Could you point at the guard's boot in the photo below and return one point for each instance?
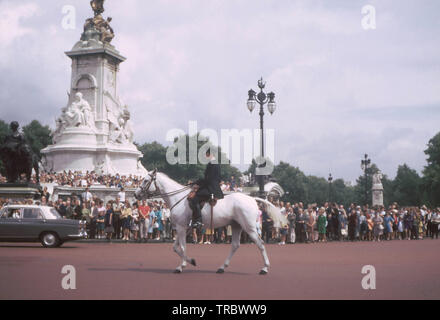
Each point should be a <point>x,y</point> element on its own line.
<point>197,216</point>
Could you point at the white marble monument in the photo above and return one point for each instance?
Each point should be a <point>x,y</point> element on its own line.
<point>94,132</point>
<point>377,189</point>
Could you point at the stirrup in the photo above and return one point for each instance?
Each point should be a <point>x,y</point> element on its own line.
<point>197,224</point>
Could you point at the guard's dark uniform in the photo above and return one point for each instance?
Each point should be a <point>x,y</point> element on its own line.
<point>209,186</point>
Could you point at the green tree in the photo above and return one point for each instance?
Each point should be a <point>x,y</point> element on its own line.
<point>342,193</point>
<point>4,131</point>
<point>38,136</point>
<point>229,171</point>
<point>388,191</point>
<point>431,173</point>
<point>407,187</point>
<point>292,180</point>
<point>317,190</point>
<point>309,189</point>
<point>154,157</point>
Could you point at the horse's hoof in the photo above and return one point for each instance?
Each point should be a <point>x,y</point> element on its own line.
<point>263,272</point>
<point>193,262</point>
<point>177,271</point>
<point>220,271</point>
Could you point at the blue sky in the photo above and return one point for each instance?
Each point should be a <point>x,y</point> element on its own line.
<point>341,91</point>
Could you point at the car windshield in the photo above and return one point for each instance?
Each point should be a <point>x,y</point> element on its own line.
<point>52,214</point>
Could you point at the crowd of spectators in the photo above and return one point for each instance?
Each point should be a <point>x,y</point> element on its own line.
<point>142,221</point>
<point>87,179</point>
<point>81,180</point>
<point>139,221</point>
<point>232,185</point>
<point>333,222</point>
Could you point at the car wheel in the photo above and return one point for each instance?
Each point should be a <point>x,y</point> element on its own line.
<point>50,240</point>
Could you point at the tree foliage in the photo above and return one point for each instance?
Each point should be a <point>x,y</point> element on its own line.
<point>407,187</point>
<point>431,179</point>
<point>4,131</point>
<point>155,157</point>
<point>38,136</point>
<point>364,184</point>
<point>293,181</point>
<point>311,189</point>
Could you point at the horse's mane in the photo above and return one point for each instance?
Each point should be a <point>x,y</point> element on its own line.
<point>171,181</point>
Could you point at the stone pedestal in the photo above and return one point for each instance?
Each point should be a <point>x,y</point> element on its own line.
<point>19,192</point>
<point>377,195</point>
<point>103,144</point>
<point>377,190</point>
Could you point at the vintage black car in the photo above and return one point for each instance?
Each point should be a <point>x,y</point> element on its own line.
<point>19,223</point>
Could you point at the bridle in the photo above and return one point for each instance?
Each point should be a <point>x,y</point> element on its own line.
<point>147,187</point>
<point>150,195</point>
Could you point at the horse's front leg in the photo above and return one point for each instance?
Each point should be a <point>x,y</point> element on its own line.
<point>177,250</point>
<point>180,249</point>
<point>182,242</point>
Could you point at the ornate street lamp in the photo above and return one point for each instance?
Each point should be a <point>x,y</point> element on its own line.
<point>261,98</point>
<point>330,180</point>
<point>365,164</point>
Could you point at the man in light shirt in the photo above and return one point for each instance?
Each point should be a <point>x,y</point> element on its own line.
<point>166,216</point>
<point>86,196</point>
<point>118,206</point>
<point>121,195</point>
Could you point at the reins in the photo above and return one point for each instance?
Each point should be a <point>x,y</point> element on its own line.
<point>166,194</point>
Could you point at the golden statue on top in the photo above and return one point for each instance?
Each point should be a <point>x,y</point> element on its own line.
<point>97,27</point>
<point>97,6</point>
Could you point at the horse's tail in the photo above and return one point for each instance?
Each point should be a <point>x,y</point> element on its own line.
<point>279,220</point>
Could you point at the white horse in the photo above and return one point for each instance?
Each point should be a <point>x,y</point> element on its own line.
<point>238,210</point>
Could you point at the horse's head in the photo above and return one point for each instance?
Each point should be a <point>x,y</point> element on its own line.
<point>148,186</point>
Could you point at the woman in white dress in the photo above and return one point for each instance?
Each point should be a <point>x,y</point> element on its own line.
<point>378,227</point>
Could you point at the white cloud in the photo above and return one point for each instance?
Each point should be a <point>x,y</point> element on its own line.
<point>11,17</point>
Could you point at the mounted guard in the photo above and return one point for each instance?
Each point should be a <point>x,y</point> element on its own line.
<point>206,189</point>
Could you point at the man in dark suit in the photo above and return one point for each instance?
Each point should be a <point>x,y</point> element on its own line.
<point>208,188</point>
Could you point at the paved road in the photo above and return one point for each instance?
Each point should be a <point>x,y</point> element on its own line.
<point>404,269</point>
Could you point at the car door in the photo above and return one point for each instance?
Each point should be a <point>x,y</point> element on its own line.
<point>32,223</point>
<point>10,223</point>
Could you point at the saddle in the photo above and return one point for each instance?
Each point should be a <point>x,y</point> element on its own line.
<point>192,194</point>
